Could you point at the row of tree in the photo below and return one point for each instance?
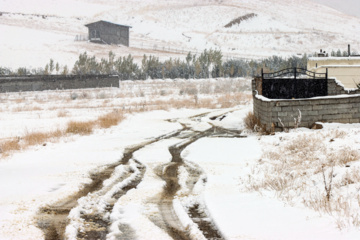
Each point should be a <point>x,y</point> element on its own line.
<point>338,53</point>
<point>208,64</point>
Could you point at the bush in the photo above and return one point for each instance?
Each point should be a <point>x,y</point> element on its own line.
<point>250,121</point>
<point>82,128</point>
<point>35,138</point>
<point>74,96</point>
<point>110,119</point>
<point>9,145</point>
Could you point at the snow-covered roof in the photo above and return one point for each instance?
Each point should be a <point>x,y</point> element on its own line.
<point>107,22</point>
<point>333,58</point>
<point>339,66</point>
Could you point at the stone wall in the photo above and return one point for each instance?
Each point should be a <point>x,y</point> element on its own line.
<point>54,82</point>
<point>333,108</point>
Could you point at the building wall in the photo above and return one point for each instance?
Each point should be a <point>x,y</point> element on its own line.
<point>333,108</point>
<point>345,69</point>
<point>111,33</point>
<point>336,87</point>
<point>54,82</point>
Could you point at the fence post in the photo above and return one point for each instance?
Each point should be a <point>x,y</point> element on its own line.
<point>326,74</point>
<point>295,83</point>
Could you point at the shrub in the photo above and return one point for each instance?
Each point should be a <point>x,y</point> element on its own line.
<point>346,155</point>
<point>35,138</point>
<point>82,128</point>
<point>110,119</point>
<point>250,121</point>
<point>9,145</point>
<point>74,96</point>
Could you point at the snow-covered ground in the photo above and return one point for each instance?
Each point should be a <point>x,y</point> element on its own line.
<point>240,186</point>
<point>35,31</point>
<point>233,181</point>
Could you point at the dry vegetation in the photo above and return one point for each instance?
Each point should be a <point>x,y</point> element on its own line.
<point>82,128</point>
<point>9,146</point>
<point>109,106</point>
<point>250,121</point>
<point>253,124</point>
<point>35,138</point>
<point>110,119</point>
<point>312,169</point>
<point>240,19</point>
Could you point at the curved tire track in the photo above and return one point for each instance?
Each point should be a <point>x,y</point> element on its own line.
<point>95,201</point>
<point>53,219</point>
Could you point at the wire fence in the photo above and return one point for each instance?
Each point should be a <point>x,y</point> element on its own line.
<point>166,48</point>
<point>79,38</point>
<point>183,50</point>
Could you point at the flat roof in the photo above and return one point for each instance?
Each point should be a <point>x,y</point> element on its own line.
<point>121,25</point>
<point>334,58</point>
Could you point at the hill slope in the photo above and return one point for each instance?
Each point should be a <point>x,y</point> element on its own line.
<point>34,33</point>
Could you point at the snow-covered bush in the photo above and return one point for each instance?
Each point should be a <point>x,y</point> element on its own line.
<point>318,169</point>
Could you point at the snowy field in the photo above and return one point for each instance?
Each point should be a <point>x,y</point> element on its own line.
<point>176,173</point>
<point>170,159</point>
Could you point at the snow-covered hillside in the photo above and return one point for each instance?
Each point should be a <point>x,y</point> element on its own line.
<point>32,32</point>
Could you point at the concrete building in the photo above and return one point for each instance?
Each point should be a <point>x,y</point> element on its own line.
<point>109,33</point>
<point>344,69</point>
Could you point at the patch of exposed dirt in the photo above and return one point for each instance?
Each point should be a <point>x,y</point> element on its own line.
<point>96,223</point>
<point>204,223</point>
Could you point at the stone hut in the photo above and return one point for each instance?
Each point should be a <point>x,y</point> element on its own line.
<point>109,33</point>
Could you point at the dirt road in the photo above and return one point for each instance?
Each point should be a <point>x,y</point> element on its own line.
<point>89,214</point>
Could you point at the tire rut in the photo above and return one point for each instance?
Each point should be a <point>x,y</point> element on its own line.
<point>199,216</point>
<point>170,174</point>
<point>94,219</point>
<point>53,219</point>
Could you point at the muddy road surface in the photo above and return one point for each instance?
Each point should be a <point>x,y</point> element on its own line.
<point>89,214</point>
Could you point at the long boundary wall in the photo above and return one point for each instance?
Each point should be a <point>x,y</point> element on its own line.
<point>341,106</point>
<point>54,82</point>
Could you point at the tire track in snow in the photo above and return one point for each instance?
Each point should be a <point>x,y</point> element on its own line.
<point>91,207</point>
<point>197,214</point>
<point>198,223</point>
<point>53,219</point>
<point>95,208</point>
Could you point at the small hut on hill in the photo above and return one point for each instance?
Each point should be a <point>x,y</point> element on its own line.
<point>109,33</point>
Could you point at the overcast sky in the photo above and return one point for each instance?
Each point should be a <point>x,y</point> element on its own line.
<point>351,7</point>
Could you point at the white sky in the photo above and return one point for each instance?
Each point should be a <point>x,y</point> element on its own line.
<point>351,7</point>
